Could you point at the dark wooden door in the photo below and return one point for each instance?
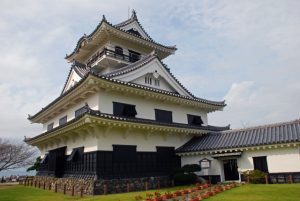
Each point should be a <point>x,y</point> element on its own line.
<point>56,161</point>
<point>230,170</point>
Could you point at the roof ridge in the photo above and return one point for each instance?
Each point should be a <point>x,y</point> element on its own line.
<point>264,126</point>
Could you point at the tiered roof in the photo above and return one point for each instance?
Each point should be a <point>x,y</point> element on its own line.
<point>193,129</point>
<point>104,24</point>
<point>85,71</point>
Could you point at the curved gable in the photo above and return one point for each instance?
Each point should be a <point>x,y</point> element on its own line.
<point>154,70</point>
<point>72,79</point>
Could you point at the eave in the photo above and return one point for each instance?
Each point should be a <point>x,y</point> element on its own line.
<point>246,148</point>
<point>106,30</point>
<point>92,83</point>
<point>96,121</point>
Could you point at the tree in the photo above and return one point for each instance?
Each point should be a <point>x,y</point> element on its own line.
<point>15,155</point>
<point>36,165</point>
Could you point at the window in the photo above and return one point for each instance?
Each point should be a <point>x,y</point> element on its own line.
<point>119,50</point>
<point>63,120</point>
<point>134,56</point>
<point>163,116</point>
<point>194,120</point>
<point>260,163</point>
<point>122,109</point>
<point>148,80</point>
<point>50,126</point>
<point>76,154</point>
<point>156,82</point>
<point>80,111</point>
<point>124,153</point>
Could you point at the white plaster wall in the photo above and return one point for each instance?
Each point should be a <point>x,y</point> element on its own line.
<point>279,160</point>
<point>145,107</point>
<point>119,137</point>
<point>93,102</point>
<point>143,141</point>
<point>103,101</point>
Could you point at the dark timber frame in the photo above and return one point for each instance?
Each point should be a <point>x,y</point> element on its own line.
<point>109,165</point>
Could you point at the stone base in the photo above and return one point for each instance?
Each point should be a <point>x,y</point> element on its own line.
<point>131,184</point>
<point>89,186</point>
<point>64,185</point>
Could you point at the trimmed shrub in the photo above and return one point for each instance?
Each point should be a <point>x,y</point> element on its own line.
<point>184,178</point>
<point>255,176</point>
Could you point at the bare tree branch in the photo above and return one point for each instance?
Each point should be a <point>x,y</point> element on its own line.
<point>14,155</point>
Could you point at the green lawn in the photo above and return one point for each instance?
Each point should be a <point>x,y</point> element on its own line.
<point>261,192</point>
<point>275,192</point>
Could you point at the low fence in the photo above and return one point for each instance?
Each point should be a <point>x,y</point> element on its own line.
<point>279,178</point>
<point>73,187</point>
<point>81,187</point>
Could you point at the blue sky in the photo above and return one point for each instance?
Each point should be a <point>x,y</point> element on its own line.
<point>246,52</point>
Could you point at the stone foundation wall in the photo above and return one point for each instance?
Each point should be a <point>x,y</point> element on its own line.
<point>129,185</point>
<point>86,185</point>
<point>66,185</point>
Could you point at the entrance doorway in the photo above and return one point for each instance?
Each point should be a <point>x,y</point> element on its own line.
<point>231,169</point>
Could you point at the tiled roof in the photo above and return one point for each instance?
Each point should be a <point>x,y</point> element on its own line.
<point>97,113</point>
<point>286,132</point>
<point>130,20</point>
<point>141,63</point>
<point>90,36</point>
<point>90,72</point>
<point>80,69</point>
<point>131,67</point>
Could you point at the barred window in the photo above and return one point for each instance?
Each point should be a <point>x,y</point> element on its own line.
<point>80,111</point>
<point>50,126</point>
<point>63,120</point>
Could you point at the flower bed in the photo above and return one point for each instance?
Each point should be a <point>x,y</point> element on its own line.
<point>196,193</point>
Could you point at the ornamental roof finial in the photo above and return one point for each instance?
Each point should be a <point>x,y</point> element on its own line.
<point>103,18</point>
<point>133,15</point>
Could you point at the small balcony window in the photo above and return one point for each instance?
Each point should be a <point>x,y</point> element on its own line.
<point>163,116</point>
<point>122,109</point>
<point>194,120</point>
<point>50,126</point>
<point>63,120</point>
<point>80,111</point>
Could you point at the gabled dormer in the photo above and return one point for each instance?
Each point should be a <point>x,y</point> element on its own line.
<point>133,26</point>
<point>151,72</point>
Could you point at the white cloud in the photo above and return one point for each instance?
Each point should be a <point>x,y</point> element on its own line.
<point>221,45</point>
<point>250,104</point>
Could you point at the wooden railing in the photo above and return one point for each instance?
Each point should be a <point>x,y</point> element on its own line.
<point>113,54</point>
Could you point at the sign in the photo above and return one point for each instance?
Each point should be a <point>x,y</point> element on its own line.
<point>205,163</point>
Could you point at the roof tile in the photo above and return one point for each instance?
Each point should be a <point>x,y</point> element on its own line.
<point>284,132</point>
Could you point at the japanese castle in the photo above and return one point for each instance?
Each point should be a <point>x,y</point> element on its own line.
<point>123,115</point>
